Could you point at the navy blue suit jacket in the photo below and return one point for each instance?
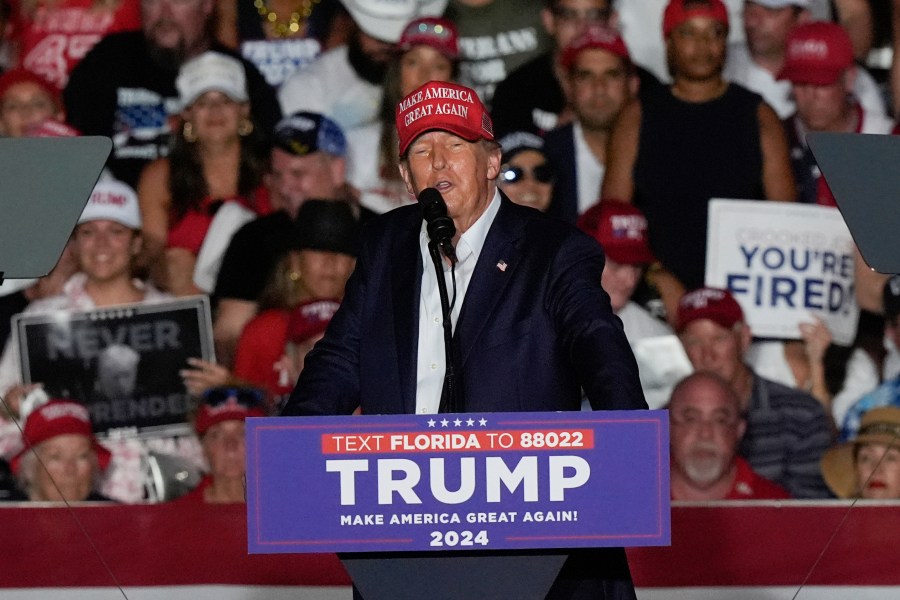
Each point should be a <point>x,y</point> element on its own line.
<point>530,336</point>
<point>559,147</point>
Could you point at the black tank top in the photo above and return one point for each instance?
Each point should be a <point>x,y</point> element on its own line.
<point>688,153</point>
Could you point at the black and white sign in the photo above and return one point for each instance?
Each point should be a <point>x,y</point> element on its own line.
<point>123,362</point>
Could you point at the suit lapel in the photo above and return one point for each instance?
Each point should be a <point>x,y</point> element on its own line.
<point>405,284</point>
<point>495,269</point>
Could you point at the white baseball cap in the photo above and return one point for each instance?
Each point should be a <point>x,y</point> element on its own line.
<point>385,19</point>
<point>112,200</point>
<point>211,71</point>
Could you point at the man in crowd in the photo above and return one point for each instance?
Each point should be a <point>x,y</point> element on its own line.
<point>819,66</point>
<point>528,295</point>
<point>702,138</point>
<point>787,429</point>
<point>707,426</point>
<point>495,38</point>
<point>601,81</point>
<point>757,64</point>
<point>345,83</point>
<point>888,393</point>
<point>307,162</point>
<point>124,88</point>
<point>532,98</point>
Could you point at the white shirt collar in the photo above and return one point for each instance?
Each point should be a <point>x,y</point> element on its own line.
<point>472,241</point>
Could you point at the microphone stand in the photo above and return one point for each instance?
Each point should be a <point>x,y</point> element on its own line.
<point>449,400</point>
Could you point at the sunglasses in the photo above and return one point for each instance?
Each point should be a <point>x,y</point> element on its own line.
<point>433,29</point>
<point>246,397</point>
<point>541,173</point>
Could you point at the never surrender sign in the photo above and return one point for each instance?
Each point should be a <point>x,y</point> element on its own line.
<point>121,362</point>
<point>458,482</point>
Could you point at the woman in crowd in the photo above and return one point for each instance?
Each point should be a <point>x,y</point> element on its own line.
<point>281,36</point>
<point>26,99</point>
<point>105,244</point>
<point>869,466</point>
<point>325,240</point>
<point>219,423</point>
<point>526,176</point>
<point>61,460</point>
<point>428,50</point>
<point>215,161</point>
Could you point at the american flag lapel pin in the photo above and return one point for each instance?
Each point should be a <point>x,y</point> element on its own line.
<point>502,265</point>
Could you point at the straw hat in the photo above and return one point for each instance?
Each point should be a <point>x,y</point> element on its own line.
<point>879,426</point>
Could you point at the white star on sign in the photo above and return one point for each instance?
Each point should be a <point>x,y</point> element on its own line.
<point>430,422</point>
<point>482,421</point>
<point>457,423</point>
<point>470,422</point>
<point>444,422</point>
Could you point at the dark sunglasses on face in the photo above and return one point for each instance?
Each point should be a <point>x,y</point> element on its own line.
<point>246,397</point>
<point>541,173</point>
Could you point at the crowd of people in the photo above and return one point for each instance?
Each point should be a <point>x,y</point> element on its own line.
<point>251,143</point>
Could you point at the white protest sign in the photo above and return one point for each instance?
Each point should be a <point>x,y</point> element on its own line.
<point>784,263</point>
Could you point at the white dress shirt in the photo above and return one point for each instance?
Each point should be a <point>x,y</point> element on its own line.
<point>431,360</point>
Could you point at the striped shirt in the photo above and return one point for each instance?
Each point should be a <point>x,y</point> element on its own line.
<point>787,433</point>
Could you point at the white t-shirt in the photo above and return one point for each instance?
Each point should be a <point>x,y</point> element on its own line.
<point>331,87</point>
<point>364,171</point>
<point>588,170</point>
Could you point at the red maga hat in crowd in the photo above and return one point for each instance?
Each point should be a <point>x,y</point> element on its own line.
<point>595,37</point>
<point>679,11</point>
<point>310,319</point>
<point>714,304</point>
<point>59,417</point>
<point>228,404</point>
<point>434,32</point>
<point>621,228</point>
<point>816,53</point>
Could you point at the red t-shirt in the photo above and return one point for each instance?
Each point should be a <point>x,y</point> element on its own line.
<point>748,485</point>
<point>53,41</point>
<point>190,230</point>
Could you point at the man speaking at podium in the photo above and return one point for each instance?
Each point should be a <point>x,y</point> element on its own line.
<point>531,325</point>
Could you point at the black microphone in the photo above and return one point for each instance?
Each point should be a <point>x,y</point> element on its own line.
<point>440,226</point>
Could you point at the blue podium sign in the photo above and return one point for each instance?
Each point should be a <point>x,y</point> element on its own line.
<point>487,481</point>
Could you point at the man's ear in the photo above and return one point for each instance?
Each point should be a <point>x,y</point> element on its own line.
<point>493,168</point>
<point>548,21</point>
<point>745,338</point>
<point>338,168</point>
<point>407,178</point>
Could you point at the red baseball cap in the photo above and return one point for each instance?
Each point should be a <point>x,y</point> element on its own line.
<point>443,106</point>
<point>435,32</point>
<point>817,53</point>
<point>714,304</point>
<point>679,11</point>
<point>310,319</point>
<point>59,417</point>
<point>621,228</point>
<point>595,37</point>
<point>21,75</point>
<point>228,404</point>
